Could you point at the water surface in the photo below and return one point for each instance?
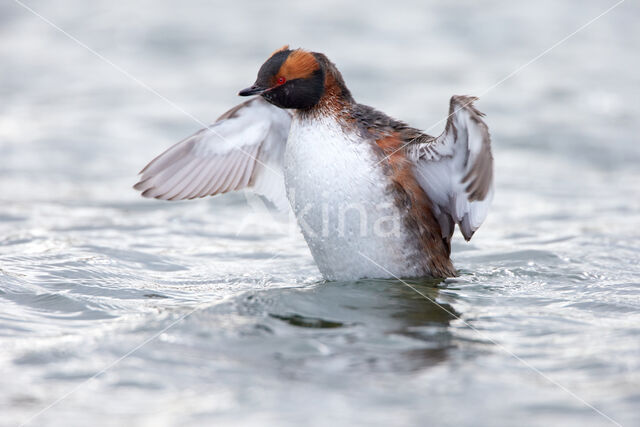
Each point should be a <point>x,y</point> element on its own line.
<point>221,312</point>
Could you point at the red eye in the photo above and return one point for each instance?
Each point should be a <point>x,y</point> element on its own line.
<point>281,80</point>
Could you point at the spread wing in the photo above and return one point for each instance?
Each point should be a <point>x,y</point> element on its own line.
<point>456,169</point>
<point>244,148</point>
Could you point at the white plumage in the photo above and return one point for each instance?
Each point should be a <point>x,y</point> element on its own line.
<point>242,150</point>
<point>245,149</point>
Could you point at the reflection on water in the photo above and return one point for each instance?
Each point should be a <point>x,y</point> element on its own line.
<point>373,316</point>
<point>306,321</point>
<point>412,302</point>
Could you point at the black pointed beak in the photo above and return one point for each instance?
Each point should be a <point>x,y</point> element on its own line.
<point>253,90</point>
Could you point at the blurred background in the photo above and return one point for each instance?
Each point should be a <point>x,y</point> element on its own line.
<point>221,312</point>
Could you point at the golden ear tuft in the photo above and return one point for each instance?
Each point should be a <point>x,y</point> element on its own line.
<point>285,47</point>
<point>299,65</point>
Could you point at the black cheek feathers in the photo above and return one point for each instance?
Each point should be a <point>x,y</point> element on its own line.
<point>299,94</point>
<point>271,68</point>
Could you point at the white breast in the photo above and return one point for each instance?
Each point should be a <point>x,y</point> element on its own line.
<point>344,203</point>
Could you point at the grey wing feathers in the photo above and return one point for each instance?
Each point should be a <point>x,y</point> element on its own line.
<point>456,169</point>
<point>479,177</point>
<point>244,148</point>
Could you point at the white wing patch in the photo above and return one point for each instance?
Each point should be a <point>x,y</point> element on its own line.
<point>243,149</point>
<point>456,169</point>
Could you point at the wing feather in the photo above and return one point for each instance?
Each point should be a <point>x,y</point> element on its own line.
<point>243,149</point>
<point>190,182</point>
<point>456,169</point>
<point>220,172</point>
<point>200,181</point>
